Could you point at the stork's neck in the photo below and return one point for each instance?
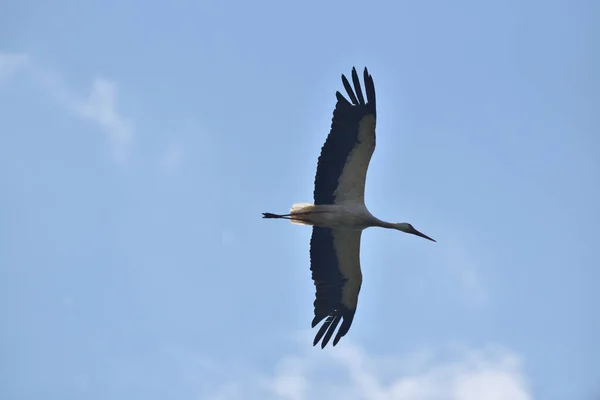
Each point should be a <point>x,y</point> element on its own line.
<point>383,224</point>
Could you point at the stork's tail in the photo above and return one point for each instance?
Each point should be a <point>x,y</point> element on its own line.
<point>298,215</point>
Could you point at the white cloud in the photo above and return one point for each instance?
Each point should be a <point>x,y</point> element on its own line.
<point>172,159</point>
<point>10,64</point>
<point>348,372</point>
<point>101,108</point>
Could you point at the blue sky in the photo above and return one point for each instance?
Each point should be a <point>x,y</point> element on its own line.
<point>139,143</point>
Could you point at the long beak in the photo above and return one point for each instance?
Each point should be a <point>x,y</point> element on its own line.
<point>416,232</point>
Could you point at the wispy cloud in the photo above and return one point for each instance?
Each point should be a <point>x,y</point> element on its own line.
<point>349,372</point>
<point>11,64</point>
<point>99,106</point>
<point>488,374</point>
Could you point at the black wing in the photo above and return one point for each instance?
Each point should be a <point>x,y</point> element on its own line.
<point>337,282</point>
<point>344,136</point>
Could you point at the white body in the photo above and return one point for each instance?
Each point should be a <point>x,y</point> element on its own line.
<point>351,216</point>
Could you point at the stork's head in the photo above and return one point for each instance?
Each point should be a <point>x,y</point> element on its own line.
<point>408,228</point>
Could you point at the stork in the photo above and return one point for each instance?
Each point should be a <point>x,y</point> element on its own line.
<point>339,215</point>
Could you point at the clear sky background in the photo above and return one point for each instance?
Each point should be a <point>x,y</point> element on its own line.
<point>140,142</point>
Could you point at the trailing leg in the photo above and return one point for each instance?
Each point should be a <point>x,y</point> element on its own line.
<point>271,215</point>
<point>300,214</point>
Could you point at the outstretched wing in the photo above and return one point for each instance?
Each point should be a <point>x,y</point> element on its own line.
<point>345,156</point>
<point>335,266</point>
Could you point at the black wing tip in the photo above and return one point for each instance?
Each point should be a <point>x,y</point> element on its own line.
<point>354,72</point>
<point>349,90</point>
<point>316,320</point>
<point>335,341</point>
<point>355,94</point>
<point>357,87</point>
<point>354,69</point>
<point>326,331</point>
<point>325,340</point>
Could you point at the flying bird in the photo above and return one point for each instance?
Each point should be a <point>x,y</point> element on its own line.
<point>339,215</point>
